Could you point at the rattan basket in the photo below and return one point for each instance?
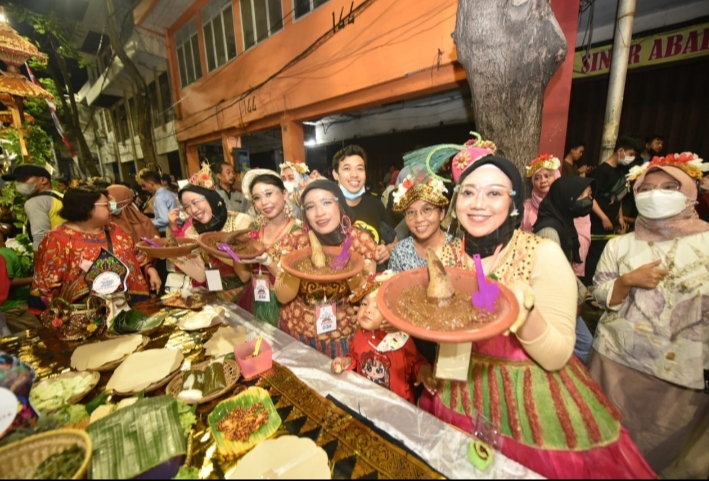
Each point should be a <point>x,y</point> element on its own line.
<point>232,371</point>
<point>20,460</point>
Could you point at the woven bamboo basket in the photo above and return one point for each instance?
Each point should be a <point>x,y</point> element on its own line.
<point>231,375</point>
<point>20,460</point>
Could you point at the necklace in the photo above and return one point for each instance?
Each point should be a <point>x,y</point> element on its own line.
<point>278,235</point>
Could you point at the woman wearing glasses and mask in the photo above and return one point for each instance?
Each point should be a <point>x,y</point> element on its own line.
<point>550,415</point>
<point>200,201</point>
<point>69,250</point>
<point>330,218</point>
<point>651,352</point>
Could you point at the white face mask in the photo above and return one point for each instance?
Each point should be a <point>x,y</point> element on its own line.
<point>290,186</point>
<point>627,160</point>
<point>657,204</point>
<point>26,189</point>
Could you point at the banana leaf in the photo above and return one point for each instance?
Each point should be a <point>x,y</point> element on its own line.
<point>132,321</point>
<point>135,439</point>
<point>246,399</point>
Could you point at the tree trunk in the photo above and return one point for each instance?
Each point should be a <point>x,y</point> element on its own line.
<point>71,111</point>
<point>142,96</point>
<point>510,50</point>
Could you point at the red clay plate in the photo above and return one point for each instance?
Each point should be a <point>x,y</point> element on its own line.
<point>203,241</point>
<point>186,246</point>
<point>356,265</point>
<point>464,281</point>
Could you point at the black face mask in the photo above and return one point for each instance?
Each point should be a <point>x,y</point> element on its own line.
<point>583,207</point>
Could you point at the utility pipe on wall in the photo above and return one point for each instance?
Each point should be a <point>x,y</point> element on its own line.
<point>616,83</point>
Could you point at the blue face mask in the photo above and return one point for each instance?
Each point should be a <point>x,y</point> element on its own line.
<point>115,210</point>
<point>349,195</point>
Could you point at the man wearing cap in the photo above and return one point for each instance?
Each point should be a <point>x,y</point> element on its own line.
<point>43,205</point>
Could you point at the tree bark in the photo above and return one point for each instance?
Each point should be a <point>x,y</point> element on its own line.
<point>510,50</point>
<point>142,95</point>
<point>71,111</point>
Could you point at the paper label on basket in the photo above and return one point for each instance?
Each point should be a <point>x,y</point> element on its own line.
<point>106,283</point>
<point>262,286</point>
<point>214,280</point>
<point>452,361</point>
<point>325,318</point>
<point>393,342</point>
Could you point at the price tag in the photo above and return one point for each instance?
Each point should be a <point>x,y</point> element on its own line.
<point>325,318</point>
<point>261,285</point>
<point>106,283</point>
<point>214,280</point>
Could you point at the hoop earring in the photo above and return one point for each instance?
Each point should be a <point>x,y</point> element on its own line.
<point>346,226</point>
<point>288,211</point>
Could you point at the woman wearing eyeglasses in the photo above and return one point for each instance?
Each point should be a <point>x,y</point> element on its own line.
<point>651,352</point>
<point>69,250</point>
<point>330,218</point>
<point>549,415</point>
<point>208,212</point>
<point>423,205</point>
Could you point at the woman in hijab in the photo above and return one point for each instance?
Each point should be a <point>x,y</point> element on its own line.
<point>208,212</point>
<point>550,415</point>
<point>544,171</point>
<point>651,352</point>
<point>568,199</point>
<point>327,214</point>
<point>126,215</point>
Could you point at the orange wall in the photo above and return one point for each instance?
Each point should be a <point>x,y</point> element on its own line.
<point>389,53</point>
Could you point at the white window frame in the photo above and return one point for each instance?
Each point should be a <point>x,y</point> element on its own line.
<point>312,9</point>
<point>195,61</point>
<point>220,16</point>
<point>253,23</point>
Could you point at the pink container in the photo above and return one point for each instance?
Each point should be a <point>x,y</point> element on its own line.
<point>250,368</point>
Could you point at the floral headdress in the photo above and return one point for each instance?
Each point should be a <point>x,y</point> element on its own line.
<point>203,178</point>
<point>544,161</point>
<point>474,149</point>
<point>409,191</point>
<point>299,167</point>
<point>373,282</point>
<point>690,163</point>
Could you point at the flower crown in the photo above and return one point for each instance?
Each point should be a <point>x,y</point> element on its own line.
<point>474,149</point>
<point>690,163</point>
<point>299,167</point>
<point>203,178</point>
<point>544,161</point>
<point>432,191</point>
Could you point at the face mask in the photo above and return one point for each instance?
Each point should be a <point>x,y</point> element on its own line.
<point>290,186</point>
<point>583,207</point>
<point>660,205</point>
<point>26,189</point>
<point>349,195</point>
<point>627,160</point>
<point>115,210</point>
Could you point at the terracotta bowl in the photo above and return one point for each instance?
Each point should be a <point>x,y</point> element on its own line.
<point>204,241</point>
<point>464,281</point>
<point>356,265</point>
<point>185,247</point>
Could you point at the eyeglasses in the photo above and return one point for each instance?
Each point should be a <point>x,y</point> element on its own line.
<point>426,212</point>
<point>667,187</point>
<point>327,202</point>
<point>489,192</point>
<point>193,205</point>
<point>103,203</point>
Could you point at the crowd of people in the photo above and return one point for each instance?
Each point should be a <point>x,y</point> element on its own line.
<point>630,401</point>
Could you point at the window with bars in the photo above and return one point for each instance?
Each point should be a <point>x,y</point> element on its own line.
<point>218,29</point>
<point>259,20</point>
<point>301,7</point>
<point>187,51</point>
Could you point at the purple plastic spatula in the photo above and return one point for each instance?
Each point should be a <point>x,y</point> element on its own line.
<point>488,292</point>
<point>150,242</point>
<point>224,247</point>
<point>340,261</point>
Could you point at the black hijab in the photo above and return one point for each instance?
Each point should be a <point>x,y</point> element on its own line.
<point>557,211</point>
<point>336,237</point>
<point>219,211</point>
<point>486,245</point>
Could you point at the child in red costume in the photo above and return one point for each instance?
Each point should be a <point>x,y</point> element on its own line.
<point>388,359</point>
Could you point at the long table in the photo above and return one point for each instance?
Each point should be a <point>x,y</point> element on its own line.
<point>442,446</point>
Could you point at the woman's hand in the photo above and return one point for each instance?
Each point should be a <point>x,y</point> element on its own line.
<point>525,298</point>
<point>264,259</point>
<point>173,216</point>
<point>193,266</point>
<point>607,224</point>
<point>154,280</point>
<point>647,276</point>
<point>425,377</point>
<point>340,364</point>
<point>383,254</point>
